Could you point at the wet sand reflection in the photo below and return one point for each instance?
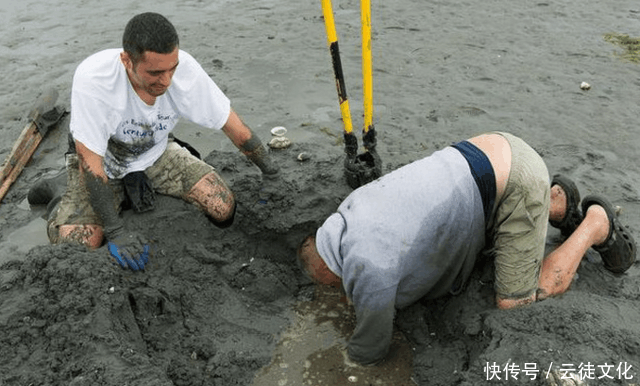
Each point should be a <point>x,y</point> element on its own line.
<point>312,350</point>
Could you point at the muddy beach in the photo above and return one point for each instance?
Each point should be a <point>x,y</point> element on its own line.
<point>229,306</point>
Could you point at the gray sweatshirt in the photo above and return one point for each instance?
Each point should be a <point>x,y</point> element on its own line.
<point>412,233</point>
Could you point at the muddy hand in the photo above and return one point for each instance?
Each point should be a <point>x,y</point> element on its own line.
<point>274,188</point>
<point>130,250</point>
<point>257,153</point>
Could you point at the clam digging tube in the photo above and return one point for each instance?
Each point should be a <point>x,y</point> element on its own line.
<point>367,76</point>
<point>332,39</point>
<point>369,133</point>
<point>367,166</point>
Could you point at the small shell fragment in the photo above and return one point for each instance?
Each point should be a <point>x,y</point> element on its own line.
<point>111,290</point>
<point>279,143</point>
<point>585,86</point>
<point>278,131</point>
<point>353,379</point>
<point>617,209</point>
<point>303,157</point>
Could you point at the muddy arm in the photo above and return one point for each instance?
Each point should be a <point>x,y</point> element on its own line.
<point>249,143</point>
<point>372,336</point>
<point>101,195</point>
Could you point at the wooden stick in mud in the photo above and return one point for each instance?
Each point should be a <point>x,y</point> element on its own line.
<point>43,116</point>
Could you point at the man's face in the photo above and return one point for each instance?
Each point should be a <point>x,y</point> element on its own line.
<point>152,74</point>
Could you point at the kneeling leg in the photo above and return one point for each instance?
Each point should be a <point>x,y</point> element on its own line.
<point>90,235</point>
<point>212,195</point>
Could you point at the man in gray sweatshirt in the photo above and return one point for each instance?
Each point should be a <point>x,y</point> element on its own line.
<point>416,232</point>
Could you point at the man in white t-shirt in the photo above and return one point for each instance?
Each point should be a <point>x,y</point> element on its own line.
<point>124,104</point>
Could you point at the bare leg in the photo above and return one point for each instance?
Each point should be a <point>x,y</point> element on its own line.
<point>560,266</point>
<point>212,195</point>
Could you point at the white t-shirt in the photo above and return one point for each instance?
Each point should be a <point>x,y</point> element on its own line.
<point>110,119</point>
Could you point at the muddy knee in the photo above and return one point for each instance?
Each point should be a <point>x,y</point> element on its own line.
<point>226,222</point>
<point>90,235</point>
<point>212,195</point>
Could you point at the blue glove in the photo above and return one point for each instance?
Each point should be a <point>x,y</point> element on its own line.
<point>123,249</point>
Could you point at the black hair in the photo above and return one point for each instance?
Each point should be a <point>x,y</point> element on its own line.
<point>149,32</point>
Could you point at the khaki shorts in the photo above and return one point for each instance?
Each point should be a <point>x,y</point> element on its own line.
<point>519,226</point>
<point>173,174</point>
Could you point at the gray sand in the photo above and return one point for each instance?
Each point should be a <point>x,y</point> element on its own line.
<point>220,307</point>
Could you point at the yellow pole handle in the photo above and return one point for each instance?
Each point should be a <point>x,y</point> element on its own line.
<point>367,68</point>
<point>332,38</point>
<point>329,23</point>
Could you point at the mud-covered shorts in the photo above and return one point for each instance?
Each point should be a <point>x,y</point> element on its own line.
<point>173,174</point>
<point>520,221</point>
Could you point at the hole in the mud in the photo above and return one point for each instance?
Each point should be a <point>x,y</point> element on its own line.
<point>160,307</point>
<point>132,303</point>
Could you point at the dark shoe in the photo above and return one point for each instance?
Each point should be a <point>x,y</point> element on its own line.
<point>48,191</point>
<point>573,217</point>
<point>618,251</point>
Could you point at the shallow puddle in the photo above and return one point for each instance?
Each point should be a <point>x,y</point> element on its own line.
<point>312,350</point>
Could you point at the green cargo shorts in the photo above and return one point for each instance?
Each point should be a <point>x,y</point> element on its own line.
<point>173,174</point>
<point>520,223</point>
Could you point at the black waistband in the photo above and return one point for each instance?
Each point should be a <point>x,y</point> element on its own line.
<point>483,174</point>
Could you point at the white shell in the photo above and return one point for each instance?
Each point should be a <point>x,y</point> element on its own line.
<point>279,143</point>
<point>303,157</point>
<point>585,86</point>
<point>279,131</point>
<point>353,379</point>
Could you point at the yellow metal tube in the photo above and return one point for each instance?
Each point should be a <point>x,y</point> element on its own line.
<point>329,23</point>
<point>367,67</point>
<point>332,38</point>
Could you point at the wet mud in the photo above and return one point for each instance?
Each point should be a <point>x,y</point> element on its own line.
<point>229,306</point>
